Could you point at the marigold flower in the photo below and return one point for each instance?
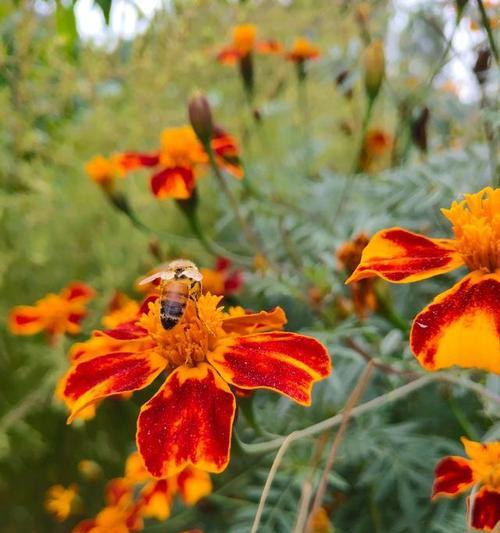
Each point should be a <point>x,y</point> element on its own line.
<point>223,280</point>
<point>462,325</point>
<point>137,495</point>
<point>61,501</point>
<point>189,421</point>
<point>55,313</point>
<point>363,294</point>
<point>302,50</point>
<point>181,158</point>
<point>244,42</point>
<point>105,171</point>
<point>454,475</point>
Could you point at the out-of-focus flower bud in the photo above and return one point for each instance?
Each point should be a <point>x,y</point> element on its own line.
<point>374,64</point>
<point>482,65</point>
<point>90,470</point>
<point>419,129</point>
<point>200,116</point>
<point>362,13</point>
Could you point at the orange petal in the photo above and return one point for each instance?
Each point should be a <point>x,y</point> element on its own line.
<point>78,292</point>
<point>284,362</point>
<point>155,500</point>
<point>461,326</point>
<point>271,46</point>
<point>194,484</point>
<point>26,320</point>
<point>110,374</point>
<point>228,56</point>
<point>453,475</point>
<point>400,256</point>
<point>176,182</point>
<point>252,322</point>
<point>188,421</point>
<point>484,509</point>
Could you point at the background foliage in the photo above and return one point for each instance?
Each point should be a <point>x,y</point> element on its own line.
<point>63,100</point>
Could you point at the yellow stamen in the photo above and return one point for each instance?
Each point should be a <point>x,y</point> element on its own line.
<point>189,341</point>
<point>476,224</point>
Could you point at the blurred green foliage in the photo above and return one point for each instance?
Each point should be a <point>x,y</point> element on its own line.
<point>62,101</point>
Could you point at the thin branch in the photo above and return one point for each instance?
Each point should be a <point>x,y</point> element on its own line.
<point>353,399</point>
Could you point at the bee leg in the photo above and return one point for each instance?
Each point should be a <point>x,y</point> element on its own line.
<point>194,294</point>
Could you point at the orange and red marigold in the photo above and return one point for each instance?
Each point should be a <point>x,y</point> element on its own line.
<point>189,420</point>
<point>55,314</point>
<point>137,495</point>
<point>454,475</point>
<point>244,42</point>
<point>462,325</point>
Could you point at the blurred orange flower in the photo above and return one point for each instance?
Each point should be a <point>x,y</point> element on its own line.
<point>363,292</point>
<point>61,501</point>
<point>454,475</point>
<point>121,309</point>
<point>376,144</point>
<point>222,280</point>
<point>244,42</point>
<point>181,158</point>
<point>302,50</point>
<point>462,325</point>
<point>137,495</point>
<point>55,313</point>
<point>104,171</point>
<point>204,354</point>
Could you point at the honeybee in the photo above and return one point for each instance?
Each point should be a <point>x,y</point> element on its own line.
<point>180,282</point>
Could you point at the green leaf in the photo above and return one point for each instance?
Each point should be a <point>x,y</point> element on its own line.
<point>66,24</point>
<point>105,6</point>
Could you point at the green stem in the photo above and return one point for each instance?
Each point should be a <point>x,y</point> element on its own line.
<point>247,229</point>
<point>486,23</point>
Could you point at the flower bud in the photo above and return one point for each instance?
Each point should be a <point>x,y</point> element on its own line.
<point>482,65</point>
<point>200,116</point>
<point>374,63</point>
<point>90,470</point>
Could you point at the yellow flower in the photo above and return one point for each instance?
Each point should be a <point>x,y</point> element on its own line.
<point>61,501</point>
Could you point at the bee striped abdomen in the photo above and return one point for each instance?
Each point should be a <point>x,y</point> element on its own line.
<point>173,304</point>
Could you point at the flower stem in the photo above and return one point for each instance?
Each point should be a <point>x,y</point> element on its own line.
<point>247,229</point>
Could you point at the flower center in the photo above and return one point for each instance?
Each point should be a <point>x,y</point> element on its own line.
<point>476,224</point>
<point>244,38</point>
<point>188,342</point>
<point>180,147</point>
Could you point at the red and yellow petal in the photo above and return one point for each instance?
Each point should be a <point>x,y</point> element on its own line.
<point>26,320</point>
<point>109,374</point>
<point>133,160</point>
<point>188,422</point>
<point>401,256</point>
<point>128,331</point>
<point>176,182</point>
<point>453,475</point>
<point>194,484</point>
<point>461,326</point>
<point>78,292</point>
<point>288,363</point>
<point>245,323</point>
<point>484,509</point>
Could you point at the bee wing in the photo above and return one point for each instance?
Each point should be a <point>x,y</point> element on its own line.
<point>165,276</point>
<point>193,273</point>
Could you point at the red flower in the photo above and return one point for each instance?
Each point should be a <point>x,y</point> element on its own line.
<point>454,475</point>
<point>189,420</point>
